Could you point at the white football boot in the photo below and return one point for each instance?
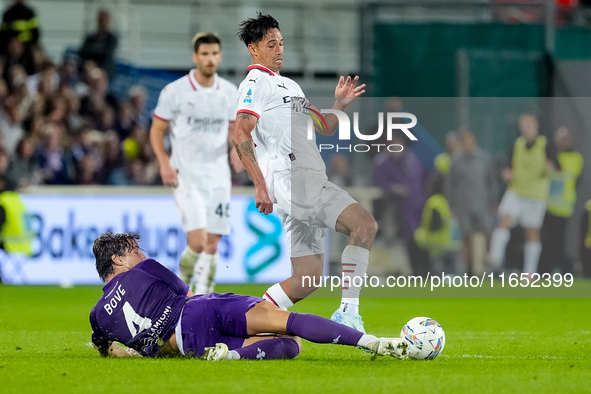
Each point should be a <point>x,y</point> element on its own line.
<point>215,353</point>
<point>393,347</point>
<point>348,319</point>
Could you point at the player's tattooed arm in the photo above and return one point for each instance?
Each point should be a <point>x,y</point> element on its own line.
<point>246,150</point>
<point>245,124</point>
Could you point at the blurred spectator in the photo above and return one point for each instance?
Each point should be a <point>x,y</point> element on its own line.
<point>23,170</point>
<point>15,55</point>
<point>338,170</point>
<point>112,155</point>
<point>137,98</point>
<point>472,195</point>
<point>131,175</point>
<point>402,177</point>
<point>560,204</point>
<point>14,235</point>
<point>585,240</point>
<point>21,20</point>
<point>55,162</point>
<point>88,146</point>
<point>20,36</point>
<point>438,233</point>
<point>98,97</point>
<point>453,148</point>
<point>125,121</point>
<point>11,118</point>
<point>100,46</point>
<point>107,120</point>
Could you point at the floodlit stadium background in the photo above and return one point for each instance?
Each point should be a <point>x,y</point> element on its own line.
<point>477,64</point>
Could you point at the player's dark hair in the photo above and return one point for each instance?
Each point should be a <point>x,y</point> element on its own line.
<point>205,38</point>
<point>254,29</point>
<point>109,244</point>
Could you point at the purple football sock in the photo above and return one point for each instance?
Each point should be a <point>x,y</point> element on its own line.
<point>321,330</point>
<point>270,349</point>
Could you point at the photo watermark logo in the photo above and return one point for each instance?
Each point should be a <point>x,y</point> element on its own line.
<point>394,121</point>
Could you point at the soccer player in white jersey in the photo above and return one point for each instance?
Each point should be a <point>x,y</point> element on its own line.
<point>288,171</point>
<point>200,108</point>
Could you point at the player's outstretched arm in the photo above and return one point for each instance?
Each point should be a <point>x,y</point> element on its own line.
<point>168,174</point>
<point>245,149</point>
<point>345,93</point>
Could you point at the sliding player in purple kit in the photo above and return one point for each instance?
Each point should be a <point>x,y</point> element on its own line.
<point>289,174</point>
<point>148,311</point>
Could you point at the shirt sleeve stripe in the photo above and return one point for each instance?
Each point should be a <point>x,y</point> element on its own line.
<point>248,112</point>
<point>161,118</point>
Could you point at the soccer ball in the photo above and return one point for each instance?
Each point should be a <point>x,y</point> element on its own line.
<point>425,338</point>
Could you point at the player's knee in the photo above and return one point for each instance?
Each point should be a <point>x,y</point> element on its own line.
<point>197,247</point>
<point>291,347</point>
<point>367,229</point>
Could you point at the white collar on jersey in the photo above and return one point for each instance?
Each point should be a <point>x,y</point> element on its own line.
<point>260,67</point>
<point>195,84</point>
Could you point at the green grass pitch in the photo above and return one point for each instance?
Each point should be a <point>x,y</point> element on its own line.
<point>493,345</point>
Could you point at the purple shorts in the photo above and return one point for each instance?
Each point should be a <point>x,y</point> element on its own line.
<point>213,318</point>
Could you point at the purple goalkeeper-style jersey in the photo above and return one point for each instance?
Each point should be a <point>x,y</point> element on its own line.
<point>139,308</point>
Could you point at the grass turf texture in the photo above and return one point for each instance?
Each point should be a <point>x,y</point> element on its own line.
<point>493,345</point>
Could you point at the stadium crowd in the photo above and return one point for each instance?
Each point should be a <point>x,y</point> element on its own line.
<point>59,123</point>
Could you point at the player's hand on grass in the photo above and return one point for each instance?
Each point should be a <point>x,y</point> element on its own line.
<point>347,90</point>
<point>263,199</point>
<point>169,176</point>
<point>118,349</point>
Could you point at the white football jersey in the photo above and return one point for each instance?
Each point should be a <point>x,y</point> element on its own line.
<point>199,118</point>
<point>280,133</point>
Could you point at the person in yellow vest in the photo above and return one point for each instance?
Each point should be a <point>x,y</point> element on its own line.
<point>524,202</point>
<point>585,251</point>
<point>15,237</point>
<point>562,195</point>
<point>438,233</point>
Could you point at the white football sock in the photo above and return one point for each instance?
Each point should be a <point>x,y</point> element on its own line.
<point>531,257</point>
<point>232,355</point>
<point>199,282</point>
<point>366,339</point>
<point>212,269</point>
<point>498,244</point>
<point>277,296</point>
<point>188,260</point>
<point>354,261</point>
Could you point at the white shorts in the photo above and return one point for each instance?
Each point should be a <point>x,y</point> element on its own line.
<point>528,212</point>
<point>203,207</point>
<point>308,204</point>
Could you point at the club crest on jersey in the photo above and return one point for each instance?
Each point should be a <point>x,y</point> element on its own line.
<point>248,98</point>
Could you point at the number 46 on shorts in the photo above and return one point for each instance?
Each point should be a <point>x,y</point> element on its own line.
<point>223,210</point>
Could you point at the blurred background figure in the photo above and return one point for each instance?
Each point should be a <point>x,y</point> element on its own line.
<point>402,178</point>
<point>453,147</point>
<point>338,170</point>
<point>23,170</point>
<point>585,240</point>
<point>19,35</point>
<point>438,233</point>
<point>562,195</point>
<point>55,162</point>
<point>524,202</point>
<point>472,191</point>
<point>101,45</point>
